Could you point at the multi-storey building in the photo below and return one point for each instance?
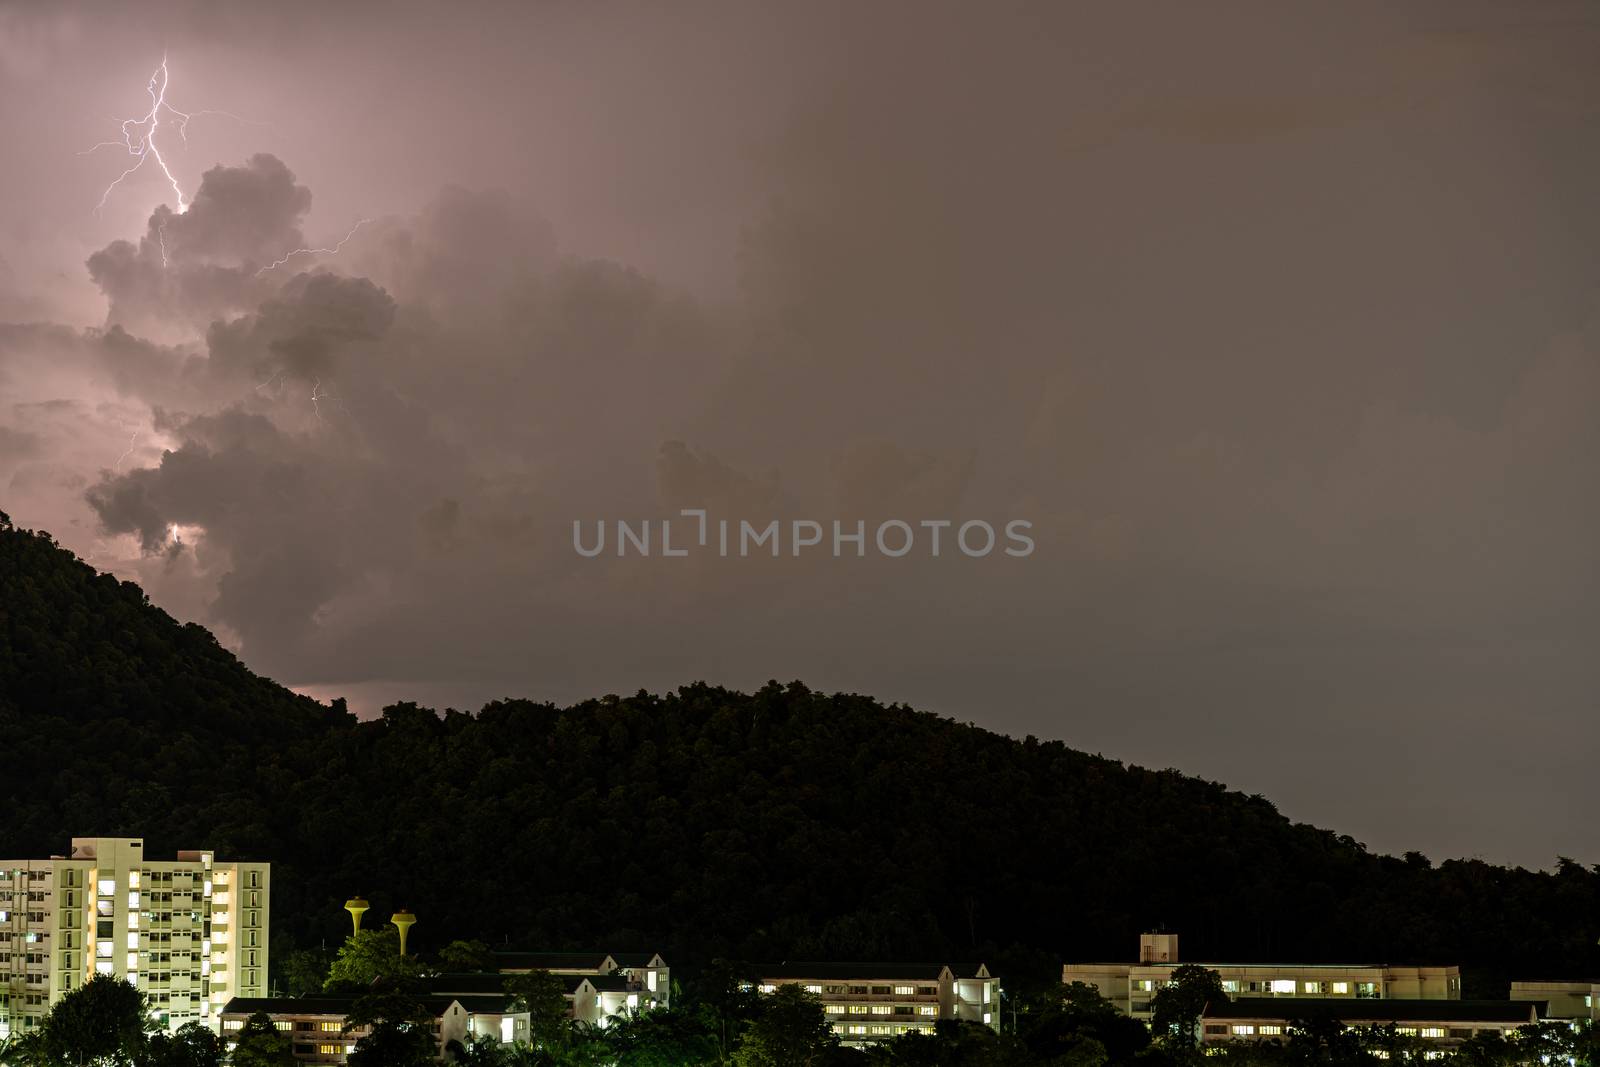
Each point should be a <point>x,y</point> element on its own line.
<point>868,1002</point>
<point>1130,986</point>
<point>1567,1000</point>
<point>1443,1023</point>
<point>189,932</point>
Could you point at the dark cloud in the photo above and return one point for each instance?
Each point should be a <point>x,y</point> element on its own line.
<point>206,262</point>
<point>1278,326</point>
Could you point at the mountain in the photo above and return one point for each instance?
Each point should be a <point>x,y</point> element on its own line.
<point>783,823</point>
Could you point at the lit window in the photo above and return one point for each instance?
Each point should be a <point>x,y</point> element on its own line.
<point>813,989</point>
<point>882,1009</point>
<point>1230,985</point>
<point>1271,1030</point>
<point>1433,1031</point>
<point>1283,985</point>
<point>927,1009</point>
<point>767,987</point>
<point>905,990</point>
<point>233,1024</point>
<point>1311,987</point>
<point>1341,989</point>
<point>103,967</point>
<point>1244,1029</point>
<point>108,887</point>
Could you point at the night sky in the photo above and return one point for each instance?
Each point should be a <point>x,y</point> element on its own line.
<point>1277,321</point>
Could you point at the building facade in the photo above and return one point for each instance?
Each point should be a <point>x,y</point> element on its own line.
<point>870,1002</point>
<point>1130,986</point>
<point>619,982</point>
<point>189,932</point>
<point>319,1033</point>
<point>1442,1023</point>
<point>1567,1000</point>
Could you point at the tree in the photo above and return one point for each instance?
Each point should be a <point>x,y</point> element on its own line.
<point>192,1046</point>
<point>726,1002</point>
<point>261,1044</point>
<point>367,956</point>
<point>303,970</point>
<point>789,1031</point>
<point>544,997</point>
<point>103,1022</point>
<point>661,1037</point>
<point>961,1044</point>
<point>1176,1007</point>
<point>395,1044</point>
<point>467,956</point>
<point>1079,1025</point>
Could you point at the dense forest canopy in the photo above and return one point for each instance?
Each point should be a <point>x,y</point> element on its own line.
<point>779,824</point>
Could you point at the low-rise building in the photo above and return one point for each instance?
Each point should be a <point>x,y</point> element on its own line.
<point>618,981</point>
<point>1445,1023</point>
<point>319,1031</point>
<point>1130,986</point>
<point>1567,1000</point>
<point>869,1002</point>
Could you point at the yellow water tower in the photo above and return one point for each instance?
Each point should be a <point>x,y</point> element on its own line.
<point>403,921</point>
<point>357,908</point>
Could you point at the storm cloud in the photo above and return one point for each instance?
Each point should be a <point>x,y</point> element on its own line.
<point>1278,325</point>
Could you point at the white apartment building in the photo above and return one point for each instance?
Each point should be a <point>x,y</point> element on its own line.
<point>869,1002</point>
<point>190,932</point>
<point>1130,986</point>
<point>618,982</point>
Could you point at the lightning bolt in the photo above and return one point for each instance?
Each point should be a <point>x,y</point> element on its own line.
<point>126,452</point>
<point>315,393</point>
<point>139,134</point>
<point>314,251</point>
<point>139,137</point>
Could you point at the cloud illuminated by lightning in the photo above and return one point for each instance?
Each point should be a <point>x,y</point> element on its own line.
<point>314,251</point>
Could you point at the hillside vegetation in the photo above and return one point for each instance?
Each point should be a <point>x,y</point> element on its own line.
<point>704,822</point>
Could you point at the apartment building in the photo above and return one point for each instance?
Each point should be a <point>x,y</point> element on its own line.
<point>189,932</point>
<point>1130,986</point>
<point>1567,1000</point>
<point>1444,1023</point>
<point>869,1002</point>
<point>618,981</point>
<point>319,1034</point>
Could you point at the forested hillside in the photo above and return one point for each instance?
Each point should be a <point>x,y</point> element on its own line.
<point>778,824</point>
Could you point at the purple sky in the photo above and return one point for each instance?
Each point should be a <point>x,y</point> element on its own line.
<point>1277,321</point>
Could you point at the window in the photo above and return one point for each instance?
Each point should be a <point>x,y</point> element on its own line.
<point>1433,1031</point>
<point>882,1009</point>
<point>1216,1031</point>
<point>1341,989</point>
<point>1283,985</point>
<point>1311,987</point>
<point>1271,1030</point>
<point>1230,985</point>
<point>331,1028</point>
<point>905,990</point>
<point>814,989</point>
<point>927,1009</point>
<point>1244,1030</point>
<point>108,887</point>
